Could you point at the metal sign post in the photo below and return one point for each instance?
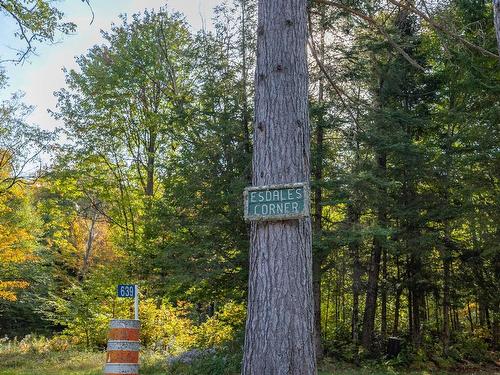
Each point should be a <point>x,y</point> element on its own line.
<point>136,302</point>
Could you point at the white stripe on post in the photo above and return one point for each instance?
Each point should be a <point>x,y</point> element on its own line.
<point>124,323</point>
<point>124,345</point>
<point>121,368</point>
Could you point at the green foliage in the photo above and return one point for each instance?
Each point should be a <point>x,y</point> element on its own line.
<point>470,348</point>
<point>36,21</point>
<point>221,328</point>
<point>407,143</point>
<point>211,364</point>
<point>200,238</point>
<point>166,328</point>
<point>21,144</point>
<point>339,345</point>
<point>22,272</point>
<point>86,309</point>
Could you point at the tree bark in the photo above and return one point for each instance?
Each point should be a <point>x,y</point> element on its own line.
<point>279,335</point>
<point>88,248</point>
<point>437,310</point>
<point>318,255</point>
<point>446,301</point>
<point>496,327</point>
<point>397,302</point>
<point>353,218</point>
<point>415,302</point>
<point>469,316</point>
<point>245,115</point>
<point>151,163</point>
<point>317,308</point>
<point>371,297</point>
<point>374,269</point>
<point>383,296</point>
<point>410,311</point>
<point>496,18</point>
<point>415,294</point>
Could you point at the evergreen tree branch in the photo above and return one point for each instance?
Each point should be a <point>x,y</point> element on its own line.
<point>378,27</point>
<point>439,27</point>
<point>340,93</point>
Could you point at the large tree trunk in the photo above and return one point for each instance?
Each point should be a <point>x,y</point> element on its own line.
<point>279,336</point>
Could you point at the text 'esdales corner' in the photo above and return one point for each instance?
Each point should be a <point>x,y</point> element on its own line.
<point>277,202</point>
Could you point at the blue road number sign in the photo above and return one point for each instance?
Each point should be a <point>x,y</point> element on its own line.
<point>126,291</point>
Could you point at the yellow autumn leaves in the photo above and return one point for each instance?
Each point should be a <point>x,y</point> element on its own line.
<point>17,244</point>
<point>8,289</point>
<point>16,247</point>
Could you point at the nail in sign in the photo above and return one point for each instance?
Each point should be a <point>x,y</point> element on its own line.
<point>276,202</point>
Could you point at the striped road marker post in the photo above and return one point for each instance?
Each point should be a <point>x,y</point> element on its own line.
<point>123,347</point>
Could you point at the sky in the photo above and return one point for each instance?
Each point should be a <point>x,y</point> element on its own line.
<point>42,74</point>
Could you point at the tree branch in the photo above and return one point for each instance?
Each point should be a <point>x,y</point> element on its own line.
<point>378,27</point>
<point>340,93</point>
<point>442,28</point>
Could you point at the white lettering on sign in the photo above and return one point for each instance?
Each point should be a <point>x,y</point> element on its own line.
<point>276,208</point>
<point>253,196</point>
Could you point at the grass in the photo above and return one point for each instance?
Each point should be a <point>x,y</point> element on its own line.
<point>91,363</point>
<point>58,363</point>
<point>336,368</point>
<point>68,363</point>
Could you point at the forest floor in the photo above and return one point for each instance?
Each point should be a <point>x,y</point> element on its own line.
<point>91,363</point>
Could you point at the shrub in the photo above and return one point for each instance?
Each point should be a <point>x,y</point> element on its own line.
<point>339,344</point>
<point>36,344</point>
<point>470,347</point>
<point>221,328</point>
<point>208,362</point>
<point>166,328</point>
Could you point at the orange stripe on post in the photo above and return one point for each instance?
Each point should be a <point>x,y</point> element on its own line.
<point>120,356</point>
<point>129,334</point>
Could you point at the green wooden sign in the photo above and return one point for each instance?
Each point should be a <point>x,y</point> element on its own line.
<point>277,202</point>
